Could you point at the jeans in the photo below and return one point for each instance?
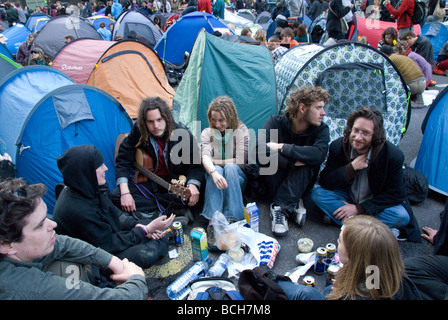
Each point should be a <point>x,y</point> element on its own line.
<point>300,292</point>
<point>286,187</point>
<point>330,200</point>
<point>228,201</point>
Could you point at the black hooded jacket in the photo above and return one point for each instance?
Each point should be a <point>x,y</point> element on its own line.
<point>84,209</point>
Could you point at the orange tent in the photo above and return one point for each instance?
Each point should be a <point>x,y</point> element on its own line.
<point>131,71</point>
<point>373,29</point>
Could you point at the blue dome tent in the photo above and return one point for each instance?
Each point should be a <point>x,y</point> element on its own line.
<point>180,36</point>
<point>15,36</point>
<point>20,90</point>
<point>432,158</point>
<point>73,115</point>
<point>437,32</point>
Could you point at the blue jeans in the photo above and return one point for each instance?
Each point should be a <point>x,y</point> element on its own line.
<point>330,200</point>
<point>228,201</point>
<point>300,292</point>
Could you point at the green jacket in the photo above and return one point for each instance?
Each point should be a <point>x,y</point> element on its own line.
<point>27,280</point>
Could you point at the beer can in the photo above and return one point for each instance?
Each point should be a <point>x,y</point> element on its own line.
<point>309,281</point>
<point>178,233</point>
<point>199,245</point>
<point>331,250</point>
<point>332,271</point>
<point>319,264</point>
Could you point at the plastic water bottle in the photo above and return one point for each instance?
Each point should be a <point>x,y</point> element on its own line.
<point>220,266</point>
<point>179,289</point>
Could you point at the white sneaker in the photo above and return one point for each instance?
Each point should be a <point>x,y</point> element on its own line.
<point>279,221</point>
<point>300,214</point>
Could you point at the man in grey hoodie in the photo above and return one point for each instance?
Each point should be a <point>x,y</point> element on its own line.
<point>29,245</point>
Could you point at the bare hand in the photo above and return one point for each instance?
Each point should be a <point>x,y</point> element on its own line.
<point>275,146</point>
<point>194,198</point>
<point>346,211</point>
<point>158,224</point>
<point>429,234</point>
<point>129,269</point>
<point>127,203</point>
<point>360,162</point>
<point>219,180</point>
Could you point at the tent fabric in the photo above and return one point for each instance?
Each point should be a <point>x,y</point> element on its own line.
<point>373,29</point>
<point>6,66</point>
<point>437,33</point>
<point>15,36</point>
<point>131,71</point>
<point>355,75</point>
<point>39,24</point>
<point>180,37</point>
<point>4,50</point>
<point>51,38</point>
<point>34,17</point>
<point>78,58</point>
<point>432,158</point>
<point>96,20</point>
<point>20,90</point>
<point>218,67</point>
<point>134,25</point>
<point>105,120</point>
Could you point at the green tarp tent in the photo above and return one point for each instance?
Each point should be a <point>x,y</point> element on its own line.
<point>217,67</point>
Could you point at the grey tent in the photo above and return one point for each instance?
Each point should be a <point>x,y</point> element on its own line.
<point>52,36</point>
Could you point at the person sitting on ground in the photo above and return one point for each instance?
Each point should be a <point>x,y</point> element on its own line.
<point>372,267</point>
<point>276,49</point>
<point>389,37</point>
<point>37,57</point>
<point>363,176</point>
<point>84,210</point>
<point>441,65</point>
<point>23,52</point>
<point>428,272</point>
<point>29,248</point>
<point>403,48</point>
<point>224,149</point>
<point>288,37</point>
<point>171,151</point>
<point>421,45</point>
<point>414,78</point>
<point>298,141</point>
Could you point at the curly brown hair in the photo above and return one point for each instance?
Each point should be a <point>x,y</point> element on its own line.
<point>306,95</point>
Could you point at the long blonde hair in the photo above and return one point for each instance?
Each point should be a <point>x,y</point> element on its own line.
<point>368,242</point>
<point>226,107</point>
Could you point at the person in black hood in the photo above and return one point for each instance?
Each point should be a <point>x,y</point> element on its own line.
<point>84,210</point>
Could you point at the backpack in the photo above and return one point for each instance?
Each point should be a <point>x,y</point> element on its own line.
<point>261,284</point>
<point>213,288</point>
<point>416,185</point>
<point>419,12</point>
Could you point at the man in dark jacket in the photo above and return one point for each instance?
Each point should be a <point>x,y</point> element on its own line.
<point>363,175</point>
<point>429,272</point>
<point>172,152</point>
<point>84,211</point>
<point>298,142</point>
